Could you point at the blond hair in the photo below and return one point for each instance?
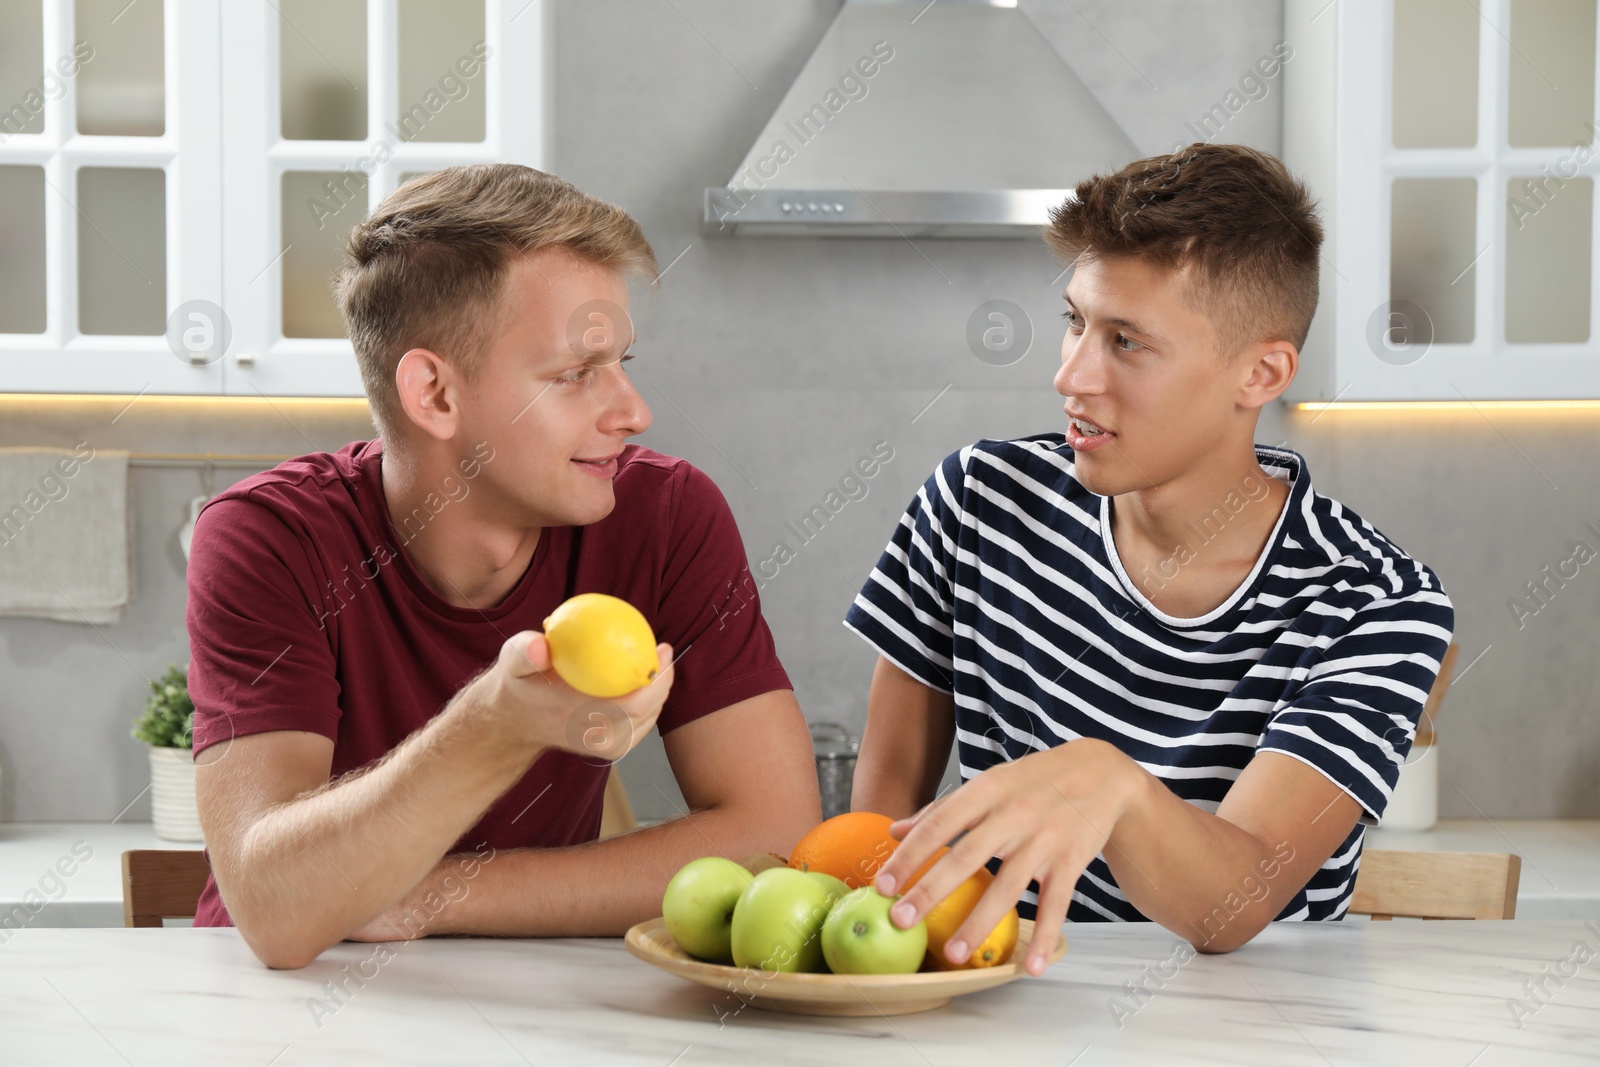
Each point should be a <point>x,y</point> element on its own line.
<point>426,268</point>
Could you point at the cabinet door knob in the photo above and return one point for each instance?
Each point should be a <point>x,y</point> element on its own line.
<point>245,359</point>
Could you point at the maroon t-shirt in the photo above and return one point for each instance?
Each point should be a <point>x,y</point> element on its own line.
<point>304,614</point>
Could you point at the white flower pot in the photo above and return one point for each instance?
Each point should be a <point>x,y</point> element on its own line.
<point>172,804</point>
<point>1415,804</point>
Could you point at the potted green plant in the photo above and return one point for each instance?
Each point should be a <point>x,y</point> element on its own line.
<point>166,726</point>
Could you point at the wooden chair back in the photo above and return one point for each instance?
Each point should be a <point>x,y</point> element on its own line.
<point>616,816</point>
<point>1436,695</point>
<point>1437,885</point>
<point>161,884</point>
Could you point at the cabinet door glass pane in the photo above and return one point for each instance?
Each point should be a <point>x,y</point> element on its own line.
<point>1551,91</point>
<point>1547,259</point>
<point>1432,248</point>
<point>1435,73</point>
<point>322,69</point>
<point>22,293</point>
<point>23,85</point>
<point>441,71</point>
<point>122,250</point>
<point>121,90</point>
<point>319,208</point>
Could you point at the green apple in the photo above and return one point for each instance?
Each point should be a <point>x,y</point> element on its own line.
<point>858,938</point>
<point>834,886</point>
<point>777,924</point>
<point>698,906</point>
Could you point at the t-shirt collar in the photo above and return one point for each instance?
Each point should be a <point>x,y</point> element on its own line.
<point>1282,463</point>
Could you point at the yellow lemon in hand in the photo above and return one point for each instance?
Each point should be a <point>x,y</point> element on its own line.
<point>601,645</point>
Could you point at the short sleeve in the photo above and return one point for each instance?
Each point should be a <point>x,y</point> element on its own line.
<point>1355,717</point>
<point>710,608</point>
<point>906,607</point>
<point>259,658</point>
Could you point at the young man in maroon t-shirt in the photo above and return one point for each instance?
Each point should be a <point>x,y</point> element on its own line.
<point>382,750</point>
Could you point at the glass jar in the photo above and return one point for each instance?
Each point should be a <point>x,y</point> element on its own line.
<point>835,752</point>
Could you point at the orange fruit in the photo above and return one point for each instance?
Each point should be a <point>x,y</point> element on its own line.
<point>851,847</point>
<point>948,915</point>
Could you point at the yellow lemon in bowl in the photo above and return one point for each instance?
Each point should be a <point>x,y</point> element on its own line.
<point>601,645</point>
<point>948,915</point>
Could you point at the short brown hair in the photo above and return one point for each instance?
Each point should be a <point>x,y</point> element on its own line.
<point>1248,227</point>
<point>425,269</point>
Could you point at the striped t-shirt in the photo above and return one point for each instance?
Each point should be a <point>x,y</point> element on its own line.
<point>1002,586</point>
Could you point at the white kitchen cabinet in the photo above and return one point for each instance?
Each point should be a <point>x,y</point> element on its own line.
<point>323,116</point>
<point>192,182</point>
<point>105,232</point>
<point>1452,146</point>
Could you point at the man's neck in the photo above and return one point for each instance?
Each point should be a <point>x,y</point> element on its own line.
<point>1198,536</point>
<point>463,554</point>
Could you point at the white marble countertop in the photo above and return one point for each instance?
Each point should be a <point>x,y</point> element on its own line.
<point>1560,858</point>
<point>1410,993</point>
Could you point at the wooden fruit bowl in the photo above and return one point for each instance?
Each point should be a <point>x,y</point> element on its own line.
<point>828,994</point>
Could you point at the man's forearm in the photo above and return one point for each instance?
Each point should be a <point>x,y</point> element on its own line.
<point>905,746</point>
<point>312,869</point>
<point>1193,872</point>
<point>598,889</point>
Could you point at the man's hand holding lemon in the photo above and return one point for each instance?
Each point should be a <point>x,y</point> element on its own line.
<point>592,683</point>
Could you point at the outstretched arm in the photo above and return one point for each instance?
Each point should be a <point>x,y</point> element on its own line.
<point>747,775</point>
<point>1214,879</point>
<point>302,861</point>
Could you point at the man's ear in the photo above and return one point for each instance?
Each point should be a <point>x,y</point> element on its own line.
<point>429,391</point>
<point>1272,366</point>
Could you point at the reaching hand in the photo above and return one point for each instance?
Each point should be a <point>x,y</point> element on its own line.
<point>1046,816</point>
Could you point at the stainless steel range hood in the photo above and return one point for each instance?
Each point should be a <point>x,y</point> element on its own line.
<point>950,119</point>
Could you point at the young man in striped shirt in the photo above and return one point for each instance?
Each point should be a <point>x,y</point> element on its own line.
<point>1181,682</point>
